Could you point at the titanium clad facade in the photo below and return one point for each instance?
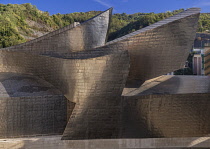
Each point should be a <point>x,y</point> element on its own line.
<point>168,106</point>
<point>158,116</point>
<point>207,63</point>
<point>88,83</point>
<point>30,107</point>
<point>72,38</point>
<point>86,70</point>
<point>98,113</point>
<point>32,116</point>
<point>172,84</point>
<point>92,74</point>
<point>160,48</point>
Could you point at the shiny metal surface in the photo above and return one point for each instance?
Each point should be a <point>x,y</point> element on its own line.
<point>98,109</point>
<point>171,84</point>
<point>94,84</point>
<point>168,106</point>
<point>207,62</point>
<point>72,38</point>
<point>93,75</point>
<point>30,106</point>
<point>87,69</point>
<point>160,48</point>
<point>166,116</point>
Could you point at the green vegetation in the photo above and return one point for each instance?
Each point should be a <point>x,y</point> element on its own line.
<point>123,24</point>
<point>20,23</point>
<point>204,23</point>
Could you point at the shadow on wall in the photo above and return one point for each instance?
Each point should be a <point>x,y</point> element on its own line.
<point>99,110</point>
<point>134,125</point>
<point>31,106</point>
<point>164,85</point>
<point>159,85</point>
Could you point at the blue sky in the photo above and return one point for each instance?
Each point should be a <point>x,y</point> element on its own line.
<point>120,6</point>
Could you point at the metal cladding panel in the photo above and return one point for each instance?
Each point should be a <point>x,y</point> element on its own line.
<point>158,116</point>
<point>32,116</point>
<point>30,107</point>
<point>73,38</point>
<point>171,84</point>
<point>207,62</point>
<point>98,109</point>
<point>94,80</point>
<point>160,48</point>
<point>76,77</point>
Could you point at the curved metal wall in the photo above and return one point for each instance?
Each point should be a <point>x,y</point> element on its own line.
<point>162,47</point>
<point>172,84</point>
<point>207,62</point>
<point>155,116</point>
<point>30,106</point>
<point>32,116</point>
<point>91,81</point>
<point>94,78</point>
<point>72,75</point>
<point>72,38</point>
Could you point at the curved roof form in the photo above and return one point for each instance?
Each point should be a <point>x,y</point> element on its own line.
<point>186,13</point>
<point>93,74</point>
<point>166,116</point>
<point>160,48</point>
<point>173,84</point>
<point>72,38</point>
<point>23,85</point>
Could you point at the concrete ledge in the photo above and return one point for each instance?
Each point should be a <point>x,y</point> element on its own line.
<point>55,142</point>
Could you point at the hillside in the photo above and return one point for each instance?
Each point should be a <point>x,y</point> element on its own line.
<point>20,23</point>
